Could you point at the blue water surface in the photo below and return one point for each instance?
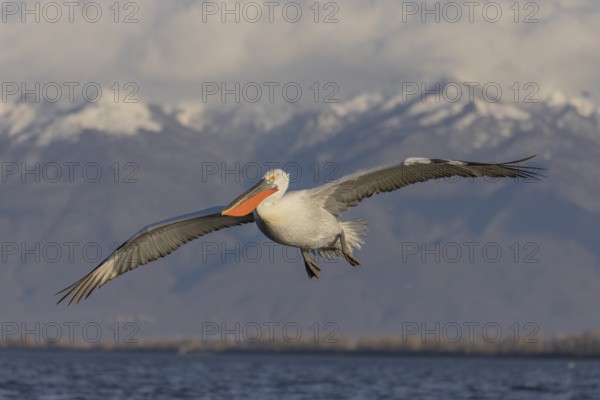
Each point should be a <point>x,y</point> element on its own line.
<point>54,374</point>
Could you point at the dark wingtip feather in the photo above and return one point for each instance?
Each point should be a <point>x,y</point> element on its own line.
<point>521,171</point>
<point>527,171</point>
<point>521,160</point>
<point>69,289</point>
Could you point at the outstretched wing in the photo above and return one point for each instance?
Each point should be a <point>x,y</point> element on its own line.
<point>338,196</point>
<point>151,243</point>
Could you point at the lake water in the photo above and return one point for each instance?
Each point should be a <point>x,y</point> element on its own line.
<point>45,374</point>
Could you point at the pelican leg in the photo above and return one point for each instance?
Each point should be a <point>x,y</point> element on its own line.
<point>312,269</point>
<point>346,251</point>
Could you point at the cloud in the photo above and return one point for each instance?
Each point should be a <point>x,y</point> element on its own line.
<point>171,50</point>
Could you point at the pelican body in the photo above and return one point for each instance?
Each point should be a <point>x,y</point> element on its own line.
<point>307,219</point>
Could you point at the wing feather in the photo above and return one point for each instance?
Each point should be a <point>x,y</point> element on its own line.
<point>149,244</point>
<point>347,192</point>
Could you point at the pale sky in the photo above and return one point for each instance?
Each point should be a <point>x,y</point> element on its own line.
<point>174,48</point>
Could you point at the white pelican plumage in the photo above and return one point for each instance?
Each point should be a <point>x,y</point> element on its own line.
<point>306,219</point>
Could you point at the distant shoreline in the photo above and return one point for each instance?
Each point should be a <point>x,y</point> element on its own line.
<point>308,353</point>
<point>586,345</point>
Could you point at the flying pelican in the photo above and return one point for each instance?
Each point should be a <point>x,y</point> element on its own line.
<point>306,219</point>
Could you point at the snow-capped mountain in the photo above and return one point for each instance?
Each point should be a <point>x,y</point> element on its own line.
<point>79,178</point>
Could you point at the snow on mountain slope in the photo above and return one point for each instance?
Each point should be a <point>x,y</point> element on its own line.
<point>43,124</point>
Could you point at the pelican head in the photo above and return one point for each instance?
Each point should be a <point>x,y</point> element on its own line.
<point>272,185</point>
